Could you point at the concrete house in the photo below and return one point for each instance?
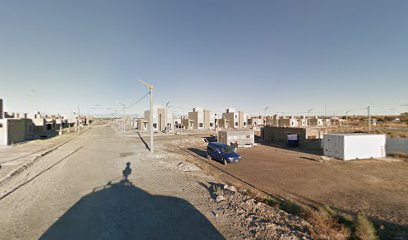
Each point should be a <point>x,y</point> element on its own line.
<point>315,122</point>
<point>202,119</point>
<point>273,121</point>
<point>303,121</point>
<point>327,122</point>
<point>15,130</point>
<point>187,123</point>
<point>255,121</point>
<point>159,118</point>
<point>288,122</point>
<point>198,118</point>
<point>234,119</point>
<point>223,123</point>
<point>141,124</point>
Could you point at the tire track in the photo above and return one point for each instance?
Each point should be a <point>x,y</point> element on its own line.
<point>39,174</point>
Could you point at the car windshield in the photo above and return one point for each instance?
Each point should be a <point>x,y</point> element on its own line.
<point>226,149</point>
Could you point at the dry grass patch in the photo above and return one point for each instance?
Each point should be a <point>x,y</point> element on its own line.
<point>364,229</point>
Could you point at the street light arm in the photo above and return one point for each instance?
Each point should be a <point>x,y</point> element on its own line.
<point>149,86</point>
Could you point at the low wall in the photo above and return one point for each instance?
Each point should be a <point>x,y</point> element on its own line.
<point>19,130</point>
<point>308,138</point>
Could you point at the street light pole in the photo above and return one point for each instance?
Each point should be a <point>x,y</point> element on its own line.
<point>308,112</point>
<point>347,118</point>
<point>265,115</point>
<point>150,87</point>
<point>124,115</point>
<point>167,117</point>
<point>369,118</point>
<point>124,118</point>
<point>60,131</point>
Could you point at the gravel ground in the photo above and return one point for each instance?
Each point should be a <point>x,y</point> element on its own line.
<point>79,191</point>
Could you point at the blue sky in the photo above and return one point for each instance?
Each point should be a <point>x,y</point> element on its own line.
<point>290,55</point>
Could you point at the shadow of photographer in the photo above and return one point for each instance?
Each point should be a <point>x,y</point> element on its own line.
<point>120,210</point>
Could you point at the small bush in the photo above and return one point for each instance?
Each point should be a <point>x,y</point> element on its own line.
<point>325,222</point>
<point>216,189</point>
<point>364,229</point>
<point>291,207</point>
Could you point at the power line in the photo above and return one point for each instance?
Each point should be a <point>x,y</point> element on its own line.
<point>137,101</point>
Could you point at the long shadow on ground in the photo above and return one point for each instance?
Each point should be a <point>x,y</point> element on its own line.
<point>199,152</point>
<point>123,211</point>
<point>144,142</point>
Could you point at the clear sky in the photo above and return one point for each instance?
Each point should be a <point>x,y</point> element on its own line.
<point>289,55</point>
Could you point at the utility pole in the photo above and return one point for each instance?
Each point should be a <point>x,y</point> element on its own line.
<point>347,118</point>
<point>116,120</point>
<point>369,118</point>
<point>124,118</point>
<point>167,106</point>
<point>78,120</point>
<point>150,87</point>
<point>265,115</point>
<point>308,112</point>
<point>124,115</point>
<point>60,131</point>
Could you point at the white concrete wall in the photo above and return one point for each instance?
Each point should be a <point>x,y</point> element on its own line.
<point>354,146</point>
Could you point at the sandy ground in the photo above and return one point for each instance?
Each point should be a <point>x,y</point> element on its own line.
<point>379,188</point>
<point>15,156</point>
<point>78,191</point>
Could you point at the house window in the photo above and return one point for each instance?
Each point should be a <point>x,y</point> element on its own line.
<point>201,125</point>
<point>236,124</point>
<point>211,124</point>
<point>244,123</point>
<point>154,125</point>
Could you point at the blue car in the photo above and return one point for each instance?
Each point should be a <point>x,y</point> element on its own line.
<point>222,152</point>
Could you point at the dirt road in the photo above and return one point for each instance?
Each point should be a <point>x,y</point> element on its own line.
<point>78,192</point>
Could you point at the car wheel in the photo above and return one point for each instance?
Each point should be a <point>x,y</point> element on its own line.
<point>208,156</point>
<point>224,161</point>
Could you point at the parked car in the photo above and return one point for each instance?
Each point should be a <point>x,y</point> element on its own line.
<point>222,153</point>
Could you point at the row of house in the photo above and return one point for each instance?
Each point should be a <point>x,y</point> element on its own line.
<point>19,127</point>
<point>198,119</point>
<point>201,119</point>
<point>290,121</point>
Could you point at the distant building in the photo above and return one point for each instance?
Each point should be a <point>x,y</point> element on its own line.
<point>303,122</point>
<point>255,121</point>
<point>234,119</point>
<point>141,124</point>
<point>327,122</point>
<point>197,118</point>
<point>316,122</point>
<point>202,119</point>
<point>288,122</point>
<point>1,108</point>
<point>187,123</point>
<point>160,119</point>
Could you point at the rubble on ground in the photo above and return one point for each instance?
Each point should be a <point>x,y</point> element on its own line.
<point>257,219</point>
<point>187,167</point>
<point>253,219</point>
